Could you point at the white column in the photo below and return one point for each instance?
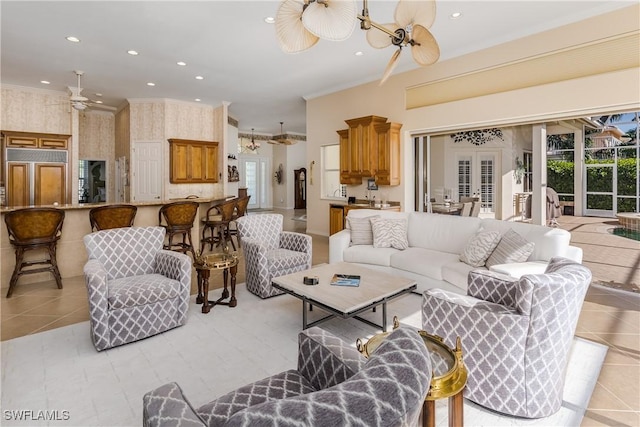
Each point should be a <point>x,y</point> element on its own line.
<point>74,154</point>
<point>539,197</point>
<point>578,167</point>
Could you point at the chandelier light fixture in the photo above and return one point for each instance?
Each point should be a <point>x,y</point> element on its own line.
<point>253,145</point>
<point>301,23</point>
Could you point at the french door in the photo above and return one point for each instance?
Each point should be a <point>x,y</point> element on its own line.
<point>254,175</point>
<point>476,174</point>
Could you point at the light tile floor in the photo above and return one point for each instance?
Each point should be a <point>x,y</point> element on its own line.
<point>609,316</point>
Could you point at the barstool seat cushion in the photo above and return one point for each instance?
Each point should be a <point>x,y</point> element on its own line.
<point>141,290</point>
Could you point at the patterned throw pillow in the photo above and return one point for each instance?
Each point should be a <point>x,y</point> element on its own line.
<point>512,248</point>
<point>361,233</point>
<point>479,248</point>
<point>389,233</point>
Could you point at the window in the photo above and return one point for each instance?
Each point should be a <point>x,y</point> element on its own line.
<point>331,187</point>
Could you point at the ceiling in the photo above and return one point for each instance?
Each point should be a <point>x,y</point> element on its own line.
<point>229,44</point>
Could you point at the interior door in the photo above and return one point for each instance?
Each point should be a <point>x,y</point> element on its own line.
<point>254,176</point>
<point>147,177</point>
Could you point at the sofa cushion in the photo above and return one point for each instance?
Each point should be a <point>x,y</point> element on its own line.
<point>366,254</point>
<point>141,290</point>
<point>426,262</point>
<point>512,248</point>
<point>361,232</point>
<point>389,233</point>
<point>479,248</point>
<point>457,273</point>
<point>444,233</point>
<point>549,242</point>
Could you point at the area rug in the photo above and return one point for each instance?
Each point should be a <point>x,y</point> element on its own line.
<point>57,377</point>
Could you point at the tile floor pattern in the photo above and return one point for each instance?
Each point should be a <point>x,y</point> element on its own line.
<point>611,317</point>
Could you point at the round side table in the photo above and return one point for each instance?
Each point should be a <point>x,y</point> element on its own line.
<point>449,375</point>
<point>228,263</point>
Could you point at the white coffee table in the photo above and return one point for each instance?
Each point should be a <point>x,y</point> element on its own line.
<point>376,288</point>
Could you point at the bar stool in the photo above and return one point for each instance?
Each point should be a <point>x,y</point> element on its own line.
<point>177,218</point>
<point>218,225</point>
<point>30,229</point>
<point>241,210</point>
<point>112,216</point>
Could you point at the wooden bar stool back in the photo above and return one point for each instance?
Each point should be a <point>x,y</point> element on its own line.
<point>30,229</point>
<point>177,218</point>
<point>218,225</point>
<point>112,216</point>
<point>241,210</point>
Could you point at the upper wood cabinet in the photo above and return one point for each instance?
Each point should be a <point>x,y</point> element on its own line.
<point>193,161</point>
<point>31,140</point>
<point>388,158</point>
<point>370,148</point>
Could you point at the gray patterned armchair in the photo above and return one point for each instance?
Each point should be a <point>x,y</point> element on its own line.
<point>333,386</point>
<point>136,289</point>
<point>270,252</point>
<point>516,334</point>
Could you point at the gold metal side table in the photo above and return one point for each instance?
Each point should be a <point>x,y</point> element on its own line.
<point>228,263</point>
<point>448,380</point>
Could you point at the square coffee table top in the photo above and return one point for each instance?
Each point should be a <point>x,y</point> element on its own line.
<point>374,286</point>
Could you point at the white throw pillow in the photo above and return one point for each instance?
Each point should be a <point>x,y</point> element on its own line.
<point>389,233</point>
<point>361,232</point>
<point>512,248</point>
<point>479,248</point>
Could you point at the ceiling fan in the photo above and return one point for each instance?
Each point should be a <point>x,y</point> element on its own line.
<point>283,138</point>
<point>300,23</point>
<point>81,103</point>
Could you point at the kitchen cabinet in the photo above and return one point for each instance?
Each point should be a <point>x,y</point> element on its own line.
<point>193,161</point>
<point>370,148</point>
<point>18,185</point>
<point>50,183</point>
<point>387,168</point>
<point>30,140</point>
<point>336,219</point>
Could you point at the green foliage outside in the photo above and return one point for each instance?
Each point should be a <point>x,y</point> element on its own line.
<point>560,177</point>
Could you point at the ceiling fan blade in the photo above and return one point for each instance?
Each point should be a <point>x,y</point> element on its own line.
<point>101,106</point>
<point>415,12</point>
<point>379,39</point>
<point>425,50</point>
<point>273,141</point>
<point>390,66</point>
<point>287,141</point>
<point>331,19</point>
<point>292,36</point>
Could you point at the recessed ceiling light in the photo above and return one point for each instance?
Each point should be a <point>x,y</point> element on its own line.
<point>199,78</point>
<point>269,20</point>
<point>181,63</point>
<point>132,52</point>
<point>98,102</point>
<point>151,84</point>
<point>98,94</point>
<point>455,15</point>
<point>44,82</point>
<point>73,39</point>
<point>197,100</point>
<point>359,53</point>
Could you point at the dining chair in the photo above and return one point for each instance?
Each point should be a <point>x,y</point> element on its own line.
<point>466,209</point>
<point>475,209</point>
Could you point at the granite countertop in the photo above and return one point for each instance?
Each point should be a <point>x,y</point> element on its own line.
<point>77,206</point>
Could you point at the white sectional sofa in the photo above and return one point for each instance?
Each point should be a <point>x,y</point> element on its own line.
<point>436,242</point>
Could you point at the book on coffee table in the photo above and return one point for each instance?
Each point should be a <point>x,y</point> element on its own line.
<point>345,280</point>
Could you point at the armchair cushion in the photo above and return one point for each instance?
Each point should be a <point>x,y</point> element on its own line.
<point>140,290</point>
<point>167,405</point>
